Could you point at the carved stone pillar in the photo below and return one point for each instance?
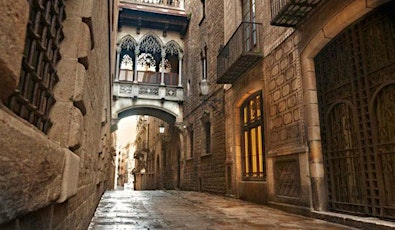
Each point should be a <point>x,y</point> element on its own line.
<point>136,56</point>
<point>119,49</point>
<point>162,74</point>
<point>180,56</point>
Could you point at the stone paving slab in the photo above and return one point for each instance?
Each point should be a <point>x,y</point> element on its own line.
<point>193,210</point>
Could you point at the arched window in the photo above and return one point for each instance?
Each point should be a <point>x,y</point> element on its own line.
<point>146,62</point>
<point>166,67</point>
<point>172,62</point>
<point>127,62</point>
<point>127,58</point>
<point>126,71</point>
<point>253,153</point>
<point>150,44</point>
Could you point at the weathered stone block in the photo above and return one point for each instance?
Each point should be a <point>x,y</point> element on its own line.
<point>292,101</point>
<point>279,54</point>
<point>284,63</point>
<point>296,114</point>
<point>277,95</point>
<point>290,73</point>
<point>312,115</point>
<point>282,106</point>
<point>280,79</point>
<point>14,16</point>
<point>313,133</point>
<point>87,9</point>
<point>30,168</point>
<point>85,44</point>
<point>309,81</point>
<point>76,129</point>
<point>273,110</point>
<point>67,72</point>
<point>288,118</point>
<point>311,96</point>
<point>61,114</point>
<point>70,176</point>
<point>70,44</point>
<point>286,90</point>
<point>275,70</point>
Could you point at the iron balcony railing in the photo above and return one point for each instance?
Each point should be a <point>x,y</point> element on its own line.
<point>160,3</point>
<point>290,13</point>
<point>241,53</point>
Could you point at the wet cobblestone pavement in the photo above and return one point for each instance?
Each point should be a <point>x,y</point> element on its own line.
<point>192,210</point>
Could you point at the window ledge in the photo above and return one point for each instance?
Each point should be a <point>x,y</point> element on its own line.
<point>205,155</point>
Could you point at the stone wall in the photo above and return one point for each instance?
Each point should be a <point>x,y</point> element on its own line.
<point>278,77</point>
<point>204,171</point>
<point>286,77</point>
<point>55,181</point>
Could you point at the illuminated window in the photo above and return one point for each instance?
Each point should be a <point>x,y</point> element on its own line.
<point>253,152</point>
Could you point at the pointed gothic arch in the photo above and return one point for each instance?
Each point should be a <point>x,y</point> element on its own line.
<point>128,43</point>
<point>173,48</point>
<point>150,43</point>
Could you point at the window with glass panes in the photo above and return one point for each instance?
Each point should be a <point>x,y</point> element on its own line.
<point>191,142</point>
<point>203,56</point>
<point>253,152</point>
<point>250,29</point>
<point>207,129</point>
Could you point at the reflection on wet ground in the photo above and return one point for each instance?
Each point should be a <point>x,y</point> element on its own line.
<point>192,210</point>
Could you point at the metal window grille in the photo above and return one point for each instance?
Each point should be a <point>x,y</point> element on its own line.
<point>33,97</point>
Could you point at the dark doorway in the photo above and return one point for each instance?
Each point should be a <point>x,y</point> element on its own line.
<point>356,93</point>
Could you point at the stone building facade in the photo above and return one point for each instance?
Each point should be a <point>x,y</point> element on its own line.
<point>157,155</point>
<point>55,111</point>
<point>203,156</point>
<point>148,83</point>
<point>302,125</point>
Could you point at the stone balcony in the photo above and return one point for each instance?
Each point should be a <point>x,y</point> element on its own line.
<point>149,85</point>
<point>177,4</point>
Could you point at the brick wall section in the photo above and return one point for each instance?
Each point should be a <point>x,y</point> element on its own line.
<point>81,118</point>
<point>204,172</point>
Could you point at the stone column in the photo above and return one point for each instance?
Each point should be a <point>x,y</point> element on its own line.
<point>180,56</point>
<point>316,162</point>
<point>136,56</point>
<point>181,4</point>
<point>162,75</point>
<point>119,49</point>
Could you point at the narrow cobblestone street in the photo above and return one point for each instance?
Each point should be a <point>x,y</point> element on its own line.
<point>192,210</point>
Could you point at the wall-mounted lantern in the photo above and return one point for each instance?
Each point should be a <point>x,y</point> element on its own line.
<point>161,129</point>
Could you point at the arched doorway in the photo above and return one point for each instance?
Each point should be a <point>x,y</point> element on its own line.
<point>356,94</point>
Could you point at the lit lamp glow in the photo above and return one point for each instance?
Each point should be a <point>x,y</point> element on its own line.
<point>161,129</point>
<point>204,87</point>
